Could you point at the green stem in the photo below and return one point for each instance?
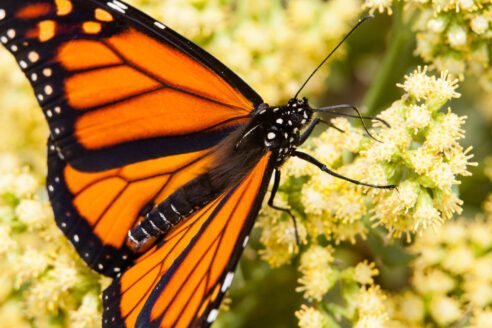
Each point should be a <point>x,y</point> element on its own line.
<point>400,35</point>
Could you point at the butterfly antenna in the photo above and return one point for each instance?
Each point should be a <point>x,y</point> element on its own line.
<point>331,53</point>
<point>329,109</point>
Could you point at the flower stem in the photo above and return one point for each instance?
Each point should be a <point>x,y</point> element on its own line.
<point>400,35</point>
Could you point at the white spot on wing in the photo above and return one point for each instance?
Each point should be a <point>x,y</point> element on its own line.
<point>11,33</point>
<point>212,315</point>
<point>34,77</point>
<point>76,238</point>
<point>33,56</point>
<point>4,39</point>
<point>2,14</point>
<point>100,266</point>
<point>115,7</point>
<point>227,281</point>
<point>271,135</point>
<point>48,89</point>
<point>14,48</point>
<point>160,25</point>
<point>120,4</point>
<point>245,242</point>
<point>23,64</point>
<point>47,72</point>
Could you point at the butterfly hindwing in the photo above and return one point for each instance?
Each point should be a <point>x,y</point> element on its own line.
<point>181,281</point>
<point>134,111</point>
<point>95,210</point>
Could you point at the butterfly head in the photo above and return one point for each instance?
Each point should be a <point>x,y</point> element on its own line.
<point>281,126</point>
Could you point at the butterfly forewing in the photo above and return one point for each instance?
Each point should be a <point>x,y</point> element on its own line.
<point>116,86</point>
<point>134,111</point>
<point>180,282</point>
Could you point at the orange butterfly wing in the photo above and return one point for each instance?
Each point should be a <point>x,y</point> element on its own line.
<point>134,110</point>
<point>181,281</point>
<point>96,210</point>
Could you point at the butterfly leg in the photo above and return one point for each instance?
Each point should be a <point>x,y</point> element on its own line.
<point>276,184</point>
<point>323,168</point>
<point>309,130</point>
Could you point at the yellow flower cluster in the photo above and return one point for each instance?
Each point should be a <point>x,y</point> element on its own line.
<point>420,152</point>
<point>271,44</point>
<point>23,130</point>
<point>421,146</point>
<point>364,302</point>
<point>423,143</point>
<point>451,35</point>
<point>44,283</point>
<point>452,277</point>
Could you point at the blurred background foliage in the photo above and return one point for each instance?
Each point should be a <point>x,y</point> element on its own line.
<point>274,45</point>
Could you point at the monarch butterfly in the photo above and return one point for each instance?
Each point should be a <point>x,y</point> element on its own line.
<point>159,156</point>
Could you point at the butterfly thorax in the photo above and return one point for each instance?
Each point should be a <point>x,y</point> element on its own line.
<point>279,127</point>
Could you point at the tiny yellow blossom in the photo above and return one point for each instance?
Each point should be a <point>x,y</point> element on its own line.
<point>479,24</point>
<point>379,5</point>
<point>86,316</point>
<point>364,272</point>
<point>30,265</point>
<point>477,291</point>
<point>417,84</point>
<point>481,318</point>
<point>445,310</point>
<point>316,257</point>
<point>279,239</point>
<point>316,283</point>
<point>459,260</point>
<point>32,213</point>
<point>371,302</point>
<point>309,317</point>
<point>411,308</point>
<point>481,234</point>
<point>418,117</point>
<point>433,282</point>
<point>317,274</point>
<point>457,36</point>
